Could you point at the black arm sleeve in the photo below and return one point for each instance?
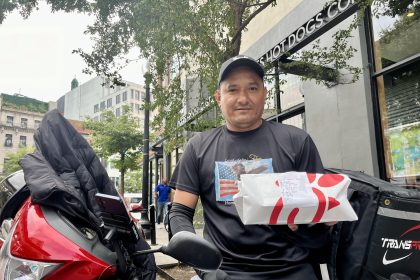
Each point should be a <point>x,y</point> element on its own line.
<point>181,218</point>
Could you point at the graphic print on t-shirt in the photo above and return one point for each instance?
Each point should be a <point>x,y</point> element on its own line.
<point>227,175</point>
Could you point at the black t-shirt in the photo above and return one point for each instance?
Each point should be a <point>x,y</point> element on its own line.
<point>210,161</point>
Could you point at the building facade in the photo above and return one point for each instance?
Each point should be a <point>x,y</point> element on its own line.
<point>96,95</point>
<point>20,116</point>
<point>371,125</point>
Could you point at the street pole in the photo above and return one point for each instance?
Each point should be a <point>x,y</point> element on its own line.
<point>277,88</point>
<point>144,220</point>
<point>150,180</point>
<point>151,196</point>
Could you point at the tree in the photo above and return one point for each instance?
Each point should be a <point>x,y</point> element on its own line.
<point>12,163</point>
<point>134,181</point>
<point>25,7</point>
<point>119,137</point>
<point>186,38</point>
<point>180,37</point>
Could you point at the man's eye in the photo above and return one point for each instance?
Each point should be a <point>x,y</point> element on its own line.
<point>253,88</point>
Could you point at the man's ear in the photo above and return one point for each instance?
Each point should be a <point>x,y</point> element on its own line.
<point>217,96</point>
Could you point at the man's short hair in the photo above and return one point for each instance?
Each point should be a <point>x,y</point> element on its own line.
<point>239,61</point>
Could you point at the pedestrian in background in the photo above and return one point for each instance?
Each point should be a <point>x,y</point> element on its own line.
<point>162,194</point>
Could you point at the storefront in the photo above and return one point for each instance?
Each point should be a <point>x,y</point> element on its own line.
<point>395,55</point>
<point>373,124</point>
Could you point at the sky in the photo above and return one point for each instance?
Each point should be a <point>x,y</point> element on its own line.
<point>36,57</point>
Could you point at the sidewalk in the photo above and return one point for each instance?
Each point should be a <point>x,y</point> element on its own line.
<point>162,260</point>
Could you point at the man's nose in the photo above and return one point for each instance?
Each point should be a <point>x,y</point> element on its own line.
<point>243,96</point>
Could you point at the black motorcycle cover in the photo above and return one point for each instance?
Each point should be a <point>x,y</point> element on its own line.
<point>65,172</point>
<point>385,242</point>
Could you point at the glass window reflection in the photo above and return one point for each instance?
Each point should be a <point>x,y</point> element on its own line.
<point>396,26</point>
<point>399,99</point>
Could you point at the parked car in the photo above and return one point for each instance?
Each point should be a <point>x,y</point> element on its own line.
<point>133,200</point>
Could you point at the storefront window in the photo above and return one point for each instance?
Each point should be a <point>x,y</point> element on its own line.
<point>395,26</point>
<point>399,98</point>
<point>396,33</point>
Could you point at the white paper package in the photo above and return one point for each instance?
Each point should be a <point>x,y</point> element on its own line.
<point>293,198</point>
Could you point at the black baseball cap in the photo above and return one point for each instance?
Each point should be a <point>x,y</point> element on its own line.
<point>238,61</point>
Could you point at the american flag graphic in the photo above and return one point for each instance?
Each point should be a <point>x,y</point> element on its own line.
<point>228,172</point>
<point>228,187</point>
<point>226,183</point>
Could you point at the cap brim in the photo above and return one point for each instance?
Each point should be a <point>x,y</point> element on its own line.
<point>242,62</point>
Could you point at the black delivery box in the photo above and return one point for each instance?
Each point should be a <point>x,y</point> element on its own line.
<point>385,242</point>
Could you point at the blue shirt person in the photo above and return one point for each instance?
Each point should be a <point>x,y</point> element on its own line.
<point>162,194</point>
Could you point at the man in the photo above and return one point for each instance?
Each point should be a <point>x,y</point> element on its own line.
<point>249,251</point>
<point>162,192</point>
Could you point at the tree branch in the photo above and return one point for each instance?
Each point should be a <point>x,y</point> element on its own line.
<point>251,16</point>
<point>244,3</point>
<point>258,4</point>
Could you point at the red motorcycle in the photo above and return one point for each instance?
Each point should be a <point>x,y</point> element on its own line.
<point>39,242</point>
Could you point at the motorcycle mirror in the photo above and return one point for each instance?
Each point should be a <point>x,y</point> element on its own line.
<point>194,251</point>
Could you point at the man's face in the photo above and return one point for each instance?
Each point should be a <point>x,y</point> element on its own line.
<point>241,98</point>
